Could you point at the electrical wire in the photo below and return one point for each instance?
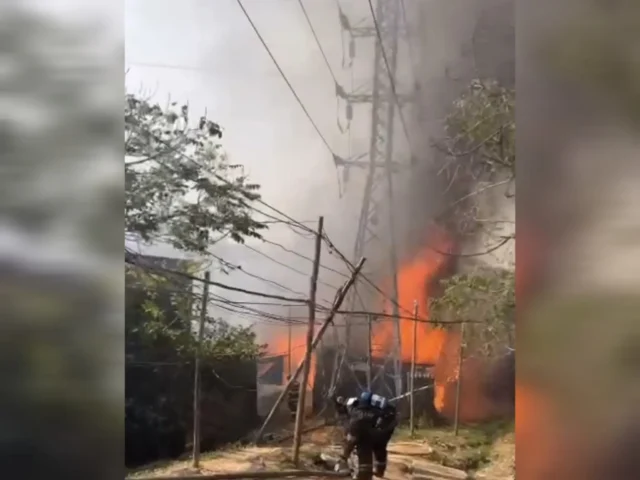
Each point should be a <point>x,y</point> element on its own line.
<point>240,268</point>
<point>305,257</point>
<point>255,250</point>
<point>315,36</point>
<point>334,249</point>
<point>291,222</point>
<point>129,258</point>
<point>284,77</point>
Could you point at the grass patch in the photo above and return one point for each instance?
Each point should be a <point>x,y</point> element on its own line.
<point>469,450</point>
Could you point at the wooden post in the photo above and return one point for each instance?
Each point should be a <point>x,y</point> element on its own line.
<point>369,353</point>
<point>297,432</point>
<point>196,378</point>
<point>289,327</point>
<point>456,418</point>
<point>412,380</point>
<point>340,296</point>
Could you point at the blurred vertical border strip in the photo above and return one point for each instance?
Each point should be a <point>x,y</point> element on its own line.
<point>578,259</point>
<point>61,236</point>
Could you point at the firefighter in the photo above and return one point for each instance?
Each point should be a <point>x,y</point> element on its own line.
<point>371,420</point>
<point>386,423</point>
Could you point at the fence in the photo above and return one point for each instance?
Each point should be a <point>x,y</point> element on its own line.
<point>159,407</point>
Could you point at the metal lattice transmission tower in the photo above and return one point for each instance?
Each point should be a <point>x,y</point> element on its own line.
<point>380,167</point>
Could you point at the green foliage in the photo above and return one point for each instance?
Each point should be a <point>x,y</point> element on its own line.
<point>481,128</point>
<point>471,449</point>
<point>161,323</point>
<point>478,154</point>
<point>181,190</point>
<point>160,350</point>
<point>487,298</point>
<point>180,187</point>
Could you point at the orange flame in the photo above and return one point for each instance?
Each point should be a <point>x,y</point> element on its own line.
<point>435,346</point>
<point>293,357</point>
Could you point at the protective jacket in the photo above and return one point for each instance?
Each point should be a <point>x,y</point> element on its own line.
<point>370,421</point>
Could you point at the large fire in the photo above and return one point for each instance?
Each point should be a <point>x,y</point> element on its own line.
<point>435,346</point>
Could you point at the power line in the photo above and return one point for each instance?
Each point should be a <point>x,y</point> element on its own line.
<point>391,79</point>
<point>239,268</point>
<point>284,77</point>
<point>362,275</point>
<point>304,257</point>
<point>287,266</point>
<point>129,258</point>
<point>315,36</point>
<point>291,221</point>
<point>254,314</point>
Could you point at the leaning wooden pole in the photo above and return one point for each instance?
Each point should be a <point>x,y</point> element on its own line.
<point>297,431</point>
<point>340,296</point>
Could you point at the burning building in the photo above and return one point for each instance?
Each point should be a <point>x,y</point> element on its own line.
<point>273,373</point>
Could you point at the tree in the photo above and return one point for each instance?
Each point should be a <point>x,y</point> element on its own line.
<point>181,190</point>
<point>159,314</point>
<point>481,128</point>
<point>486,298</point>
<point>180,187</point>
<point>160,350</point>
<point>478,155</point>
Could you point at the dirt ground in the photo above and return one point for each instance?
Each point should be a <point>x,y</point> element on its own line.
<point>489,453</point>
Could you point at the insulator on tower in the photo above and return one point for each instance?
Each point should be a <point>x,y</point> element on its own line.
<point>349,111</point>
<point>352,48</point>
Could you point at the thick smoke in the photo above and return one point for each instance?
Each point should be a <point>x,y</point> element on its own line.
<point>451,43</point>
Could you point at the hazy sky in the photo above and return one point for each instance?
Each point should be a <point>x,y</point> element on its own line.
<point>206,53</point>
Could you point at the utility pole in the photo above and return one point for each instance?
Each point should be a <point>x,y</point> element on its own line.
<point>383,109</point>
<point>369,353</point>
<point>337,303</point>
<point>456,418</point>
<point>289,328</point>
<point>297,432</point>
<point>196,377</point>
<point>412,380</point>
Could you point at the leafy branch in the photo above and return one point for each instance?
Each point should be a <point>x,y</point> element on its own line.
<point>180,186</point>
<point>486,297</point>
<point>478,155</point>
